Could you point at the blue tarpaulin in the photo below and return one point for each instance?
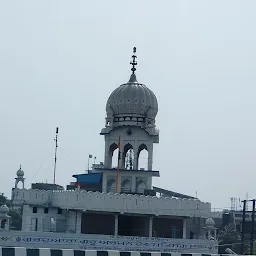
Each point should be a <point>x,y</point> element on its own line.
<point>88,178</point>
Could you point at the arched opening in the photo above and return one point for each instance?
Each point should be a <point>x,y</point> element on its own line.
<point>113,151</point>
<point>128,157</point>
<point>3,224</point>
<point>143,157</point>
<point>126,185</point>
<point>111,185</point>
<point>141,185</point>
<point>19,184</point>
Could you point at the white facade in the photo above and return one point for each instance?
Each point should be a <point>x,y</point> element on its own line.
<point>110,202</point>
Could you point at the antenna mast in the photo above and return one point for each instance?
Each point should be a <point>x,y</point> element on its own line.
<point>55,158</point>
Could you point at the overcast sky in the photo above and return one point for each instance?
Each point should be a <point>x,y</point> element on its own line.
<point>60,60</point>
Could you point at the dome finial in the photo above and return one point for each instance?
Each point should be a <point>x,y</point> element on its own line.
<point>133,62</point>
<point>133,78</point>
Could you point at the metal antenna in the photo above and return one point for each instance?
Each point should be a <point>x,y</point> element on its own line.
<point>55,159</point>
<point>133,62</point>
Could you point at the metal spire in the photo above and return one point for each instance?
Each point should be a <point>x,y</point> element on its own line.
<point>133,62</point>
<point>133,78</point>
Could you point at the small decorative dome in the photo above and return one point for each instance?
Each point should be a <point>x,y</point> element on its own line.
<point>4,209</point>
<point>210,222</point>
<point>20,173</point>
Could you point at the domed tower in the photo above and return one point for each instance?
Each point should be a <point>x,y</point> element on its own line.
<point>19,178</point>
<point>131,111</point>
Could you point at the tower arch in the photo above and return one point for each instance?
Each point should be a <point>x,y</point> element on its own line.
<point>112,151</point>
<point>143,157</point>
<point>127,157</point>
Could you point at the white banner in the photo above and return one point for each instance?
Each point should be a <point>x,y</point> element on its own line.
<point>100,242</point>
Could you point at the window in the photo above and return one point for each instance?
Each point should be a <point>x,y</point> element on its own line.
<point>46,210</point>
<point>34,209</point>
<point>59,211</point>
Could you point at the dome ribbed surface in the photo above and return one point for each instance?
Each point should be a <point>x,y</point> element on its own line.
<point>132,98</point>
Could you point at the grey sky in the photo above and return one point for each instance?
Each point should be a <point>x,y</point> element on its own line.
<point>60,60</point>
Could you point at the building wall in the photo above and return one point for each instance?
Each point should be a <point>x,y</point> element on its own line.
<point>68,221</point>
<point>53,221</point>
<point>194,227</point>
<point>96,201</point>
<point>74,222</point>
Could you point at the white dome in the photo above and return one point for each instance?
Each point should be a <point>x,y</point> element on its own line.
<point>4,209</point>
<point>133,100</point>
<point>210,222</point>
<point>20,173</point>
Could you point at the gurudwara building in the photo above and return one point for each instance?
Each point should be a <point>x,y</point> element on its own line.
<point>115,207</point>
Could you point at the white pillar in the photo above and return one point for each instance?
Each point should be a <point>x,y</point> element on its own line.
<point>150,226</point>
<point>150,157</point>
<point>122,160</point>
<point>184,235</point>
<point>133,184</point>
<point>209,234</point>
<point>136,159</point>
<point>106,157</point>
<point>215,234</point>
<point>116,224</point>
<point>78,222</point>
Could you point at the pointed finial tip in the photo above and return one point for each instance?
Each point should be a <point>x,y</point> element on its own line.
<point>133,78</point>
<point>20,166</point>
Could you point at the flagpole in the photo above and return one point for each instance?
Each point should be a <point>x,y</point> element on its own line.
<point>55,156</point>
<point>118,161</point>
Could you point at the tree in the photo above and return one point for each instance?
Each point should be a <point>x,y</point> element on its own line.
<point>229,237</point>
<point>3,199</point>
